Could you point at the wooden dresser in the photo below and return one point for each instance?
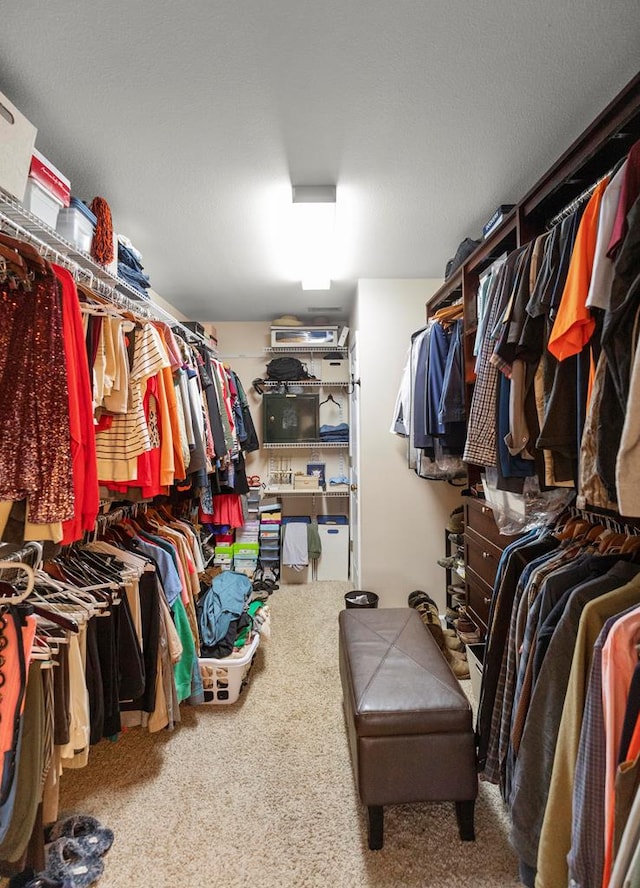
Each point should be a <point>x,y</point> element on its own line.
<point>483,546</point>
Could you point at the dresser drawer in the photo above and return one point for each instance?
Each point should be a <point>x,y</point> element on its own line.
<point>479,516</point>
<point>478,598</point>
<point>481,556</point>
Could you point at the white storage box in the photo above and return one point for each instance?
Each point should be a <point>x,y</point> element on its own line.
<point>50,177</point>
<point>475,658</point>
<point>17,137</point>
<point>77,223</point>
<point>334,369</point>
<point>41,202</point>
<point>333,563</point>
<point>304,336</point>
<point>224,678</point>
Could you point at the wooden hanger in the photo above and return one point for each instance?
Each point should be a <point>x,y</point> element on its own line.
<point>572,528</point>
<point>14,265</point>
<point>631,544</point>
<point>27,250</point>
<point>449,313</point>
<point>612,543</point>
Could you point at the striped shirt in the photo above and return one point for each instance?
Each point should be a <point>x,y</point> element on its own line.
<point>119,446</point>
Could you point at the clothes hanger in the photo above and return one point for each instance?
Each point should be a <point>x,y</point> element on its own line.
<point>62,620</point>
<point>331,399</point>
<point>87,598</point>
<point>631,544</point>
<point>14,262</point>
<point>449,314</point>
<point>612,544</point>
<point>564,530</point>
<point>8,592</point>
<point>27,250</point>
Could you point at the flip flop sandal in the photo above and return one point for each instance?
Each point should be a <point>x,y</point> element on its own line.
<point>270,586</point>
<point>82,826</point>
<point>69,863</point>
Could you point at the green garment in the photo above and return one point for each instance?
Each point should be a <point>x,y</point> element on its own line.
<point>252,610</point>
<point>182,670</point>
<point>314,545</point>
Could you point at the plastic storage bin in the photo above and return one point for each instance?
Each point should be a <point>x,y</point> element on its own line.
<point>77,224</point>
<point>39,201</point>
<point>224,678</point>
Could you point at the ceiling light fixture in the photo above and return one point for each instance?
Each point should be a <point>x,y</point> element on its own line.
<point>314,214</point>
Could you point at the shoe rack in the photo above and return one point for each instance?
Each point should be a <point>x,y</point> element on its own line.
<point>454,573</point>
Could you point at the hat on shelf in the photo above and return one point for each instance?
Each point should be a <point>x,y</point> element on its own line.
<point>287,321</point>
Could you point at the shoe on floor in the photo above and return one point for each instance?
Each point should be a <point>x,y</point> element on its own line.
<point>457,655</point>
<point>471,637</point>
<point>460,669</point>
<point>456,520</point>
<point>451,562</point>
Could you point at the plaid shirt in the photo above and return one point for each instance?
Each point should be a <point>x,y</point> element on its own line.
<point>586,858</point>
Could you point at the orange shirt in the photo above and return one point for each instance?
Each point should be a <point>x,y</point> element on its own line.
<point>574,325</point>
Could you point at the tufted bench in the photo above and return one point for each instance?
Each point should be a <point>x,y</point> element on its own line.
<point>408,720</point>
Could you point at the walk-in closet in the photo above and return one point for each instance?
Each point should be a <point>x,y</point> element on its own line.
<point>319,472</point>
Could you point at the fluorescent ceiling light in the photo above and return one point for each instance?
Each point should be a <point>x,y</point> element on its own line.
<point>314,214</point>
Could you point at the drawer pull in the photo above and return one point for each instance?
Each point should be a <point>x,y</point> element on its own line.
<point>486,554</point>
<point>486,600</point>
<point>484,509</point>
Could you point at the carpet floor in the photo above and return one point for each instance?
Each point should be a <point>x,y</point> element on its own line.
<point>260,793</point>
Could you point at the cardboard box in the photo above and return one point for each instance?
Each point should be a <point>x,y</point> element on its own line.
<point>45,174</point>
<point>306,482</point>
<point>334,368</point>
<point>17,138</point>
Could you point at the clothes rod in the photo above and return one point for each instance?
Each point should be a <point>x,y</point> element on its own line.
<point>150,311</point>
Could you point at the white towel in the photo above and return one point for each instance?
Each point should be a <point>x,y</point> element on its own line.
<point>295,550</point>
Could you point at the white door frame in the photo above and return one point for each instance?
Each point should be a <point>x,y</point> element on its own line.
<point>354,462</point>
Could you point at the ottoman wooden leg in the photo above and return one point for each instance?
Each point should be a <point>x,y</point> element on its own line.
<point>376,827</point>
<point>464,815</point>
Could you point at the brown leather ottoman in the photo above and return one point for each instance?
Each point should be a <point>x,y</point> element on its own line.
<point>409,722</point>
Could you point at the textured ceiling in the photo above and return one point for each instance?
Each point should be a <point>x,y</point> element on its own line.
<point>193,118</point>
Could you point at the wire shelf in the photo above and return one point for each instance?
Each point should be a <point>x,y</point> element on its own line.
<point>274,491</point>
<point>306,445</point>
<point>51,244</point>
<point>306,348</point>
<point>317,383</point>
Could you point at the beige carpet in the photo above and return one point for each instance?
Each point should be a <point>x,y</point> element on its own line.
<point>261,793</point>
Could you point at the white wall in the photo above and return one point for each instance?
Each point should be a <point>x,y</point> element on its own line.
<point>402,516</point>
